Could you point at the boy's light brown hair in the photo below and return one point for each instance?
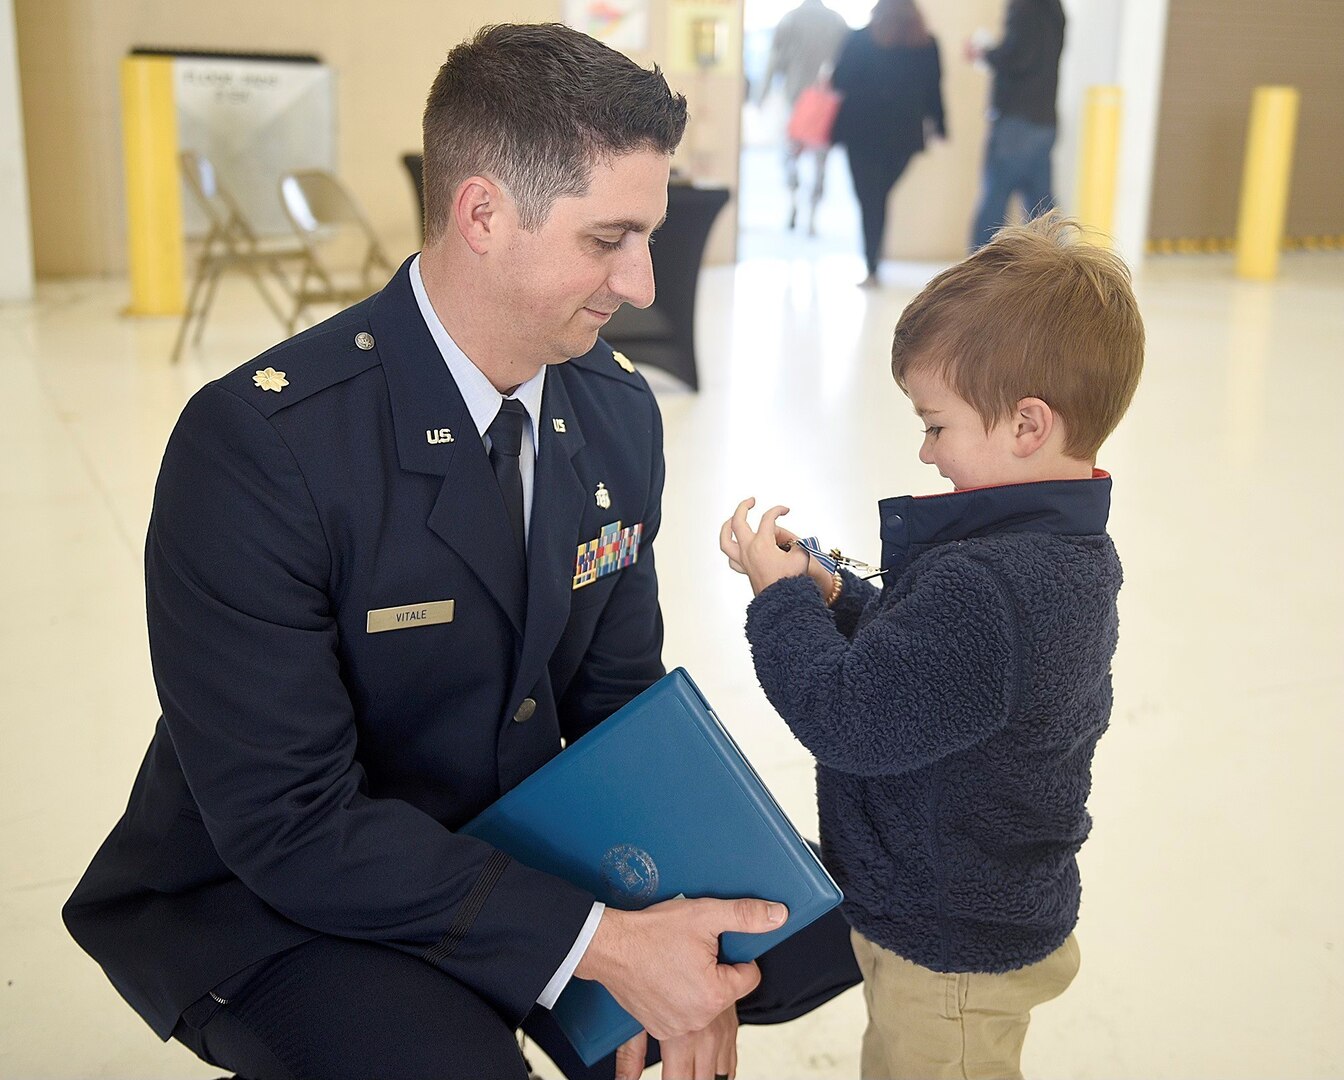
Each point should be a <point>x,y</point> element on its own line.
<point>1036,312</point>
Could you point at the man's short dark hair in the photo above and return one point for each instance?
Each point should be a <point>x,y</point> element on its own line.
<point>535,107</point>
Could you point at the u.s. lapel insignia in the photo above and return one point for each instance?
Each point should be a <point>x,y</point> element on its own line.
<point>623,361</point>
<point>602,496</point>
<point>435,436</point>
<point>270,379</point>
<point>613,550</point>
<point>558,424</point>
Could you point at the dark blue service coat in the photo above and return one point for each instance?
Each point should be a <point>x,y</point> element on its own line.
<point>306,774</point>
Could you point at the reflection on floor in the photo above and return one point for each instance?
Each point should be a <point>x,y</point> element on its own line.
<point>1210,926</point>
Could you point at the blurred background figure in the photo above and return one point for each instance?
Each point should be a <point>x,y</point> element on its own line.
<point>890,76</point>
<point>802,50</point>
<point>1022,118</point>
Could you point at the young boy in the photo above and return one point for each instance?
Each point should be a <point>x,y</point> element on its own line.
<point>953,713</point>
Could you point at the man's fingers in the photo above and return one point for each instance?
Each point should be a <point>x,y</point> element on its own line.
<point>745,915</point>
<point>739,980</point>
<point>630,1057</point>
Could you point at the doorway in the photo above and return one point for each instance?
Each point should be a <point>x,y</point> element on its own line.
<point>773,222</point>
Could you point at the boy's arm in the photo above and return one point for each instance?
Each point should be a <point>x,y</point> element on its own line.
<point>935,673</point>
<point>855,595</point>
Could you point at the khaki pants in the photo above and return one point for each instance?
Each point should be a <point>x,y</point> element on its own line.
<point>929,1025</point>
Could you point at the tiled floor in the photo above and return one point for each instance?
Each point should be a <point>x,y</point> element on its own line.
<point>1212,911</point>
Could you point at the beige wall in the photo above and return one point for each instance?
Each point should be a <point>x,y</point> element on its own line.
<point>1218,51</point>
<point>69,51</point>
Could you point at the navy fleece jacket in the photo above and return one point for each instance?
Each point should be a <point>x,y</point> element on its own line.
<point>953,716</point>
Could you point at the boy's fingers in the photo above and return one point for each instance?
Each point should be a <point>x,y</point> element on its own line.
<point>726,543</point>
<point>768,526</point>
<point>741,529</point>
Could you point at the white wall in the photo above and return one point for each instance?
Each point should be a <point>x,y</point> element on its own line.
<point>16,248</point>
<point>1091,58</point>
<point>1119,42</point>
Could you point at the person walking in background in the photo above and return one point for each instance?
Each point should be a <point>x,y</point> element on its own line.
<point>891,77</point>
<point>802,50</point>
<point>1022,116</point>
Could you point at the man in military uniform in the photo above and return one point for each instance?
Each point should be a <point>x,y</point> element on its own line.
<point>367,621</point>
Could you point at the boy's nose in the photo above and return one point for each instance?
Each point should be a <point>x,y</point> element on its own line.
<point>924,455</point>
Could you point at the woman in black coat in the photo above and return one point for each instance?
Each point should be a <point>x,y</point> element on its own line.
<point>891,78</point>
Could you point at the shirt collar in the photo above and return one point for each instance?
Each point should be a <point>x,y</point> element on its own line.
<point>478,393</point>
<point>1060,507</point>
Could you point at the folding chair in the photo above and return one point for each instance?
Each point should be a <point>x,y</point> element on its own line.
<point>230,244</point>
<point>343,260</point>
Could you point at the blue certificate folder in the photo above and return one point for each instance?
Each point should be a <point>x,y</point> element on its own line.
<point>654,803</point>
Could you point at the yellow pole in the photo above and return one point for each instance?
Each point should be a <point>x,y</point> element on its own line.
<point>153,189</point>
<point>1098,159</point>
<point>1265,180</point>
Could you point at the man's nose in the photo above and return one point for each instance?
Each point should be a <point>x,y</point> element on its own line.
<point>632,279</point>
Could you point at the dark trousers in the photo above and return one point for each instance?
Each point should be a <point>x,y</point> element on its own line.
<point>1017,159</point>
<point>334,1009</point>
<point>875,174</point>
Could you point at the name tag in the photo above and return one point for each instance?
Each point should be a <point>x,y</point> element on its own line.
<point>429,613</point>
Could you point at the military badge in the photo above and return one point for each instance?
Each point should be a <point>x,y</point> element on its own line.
<point>613,550</point>
<point>270,379</point>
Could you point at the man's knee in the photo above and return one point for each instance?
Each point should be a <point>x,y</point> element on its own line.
<point>802,972</point>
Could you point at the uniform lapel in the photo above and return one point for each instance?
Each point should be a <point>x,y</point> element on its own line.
<point>553,536</point>
<point>469,513</point>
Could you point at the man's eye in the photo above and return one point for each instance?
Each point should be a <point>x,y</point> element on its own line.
<point>607,245</point>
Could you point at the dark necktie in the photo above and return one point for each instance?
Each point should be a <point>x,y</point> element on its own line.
<point>506,443</point>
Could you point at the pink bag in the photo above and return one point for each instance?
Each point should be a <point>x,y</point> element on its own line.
<point>813,116</point>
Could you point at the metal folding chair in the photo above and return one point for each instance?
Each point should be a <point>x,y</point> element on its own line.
<point>230,244</point>
<point>343,260</point>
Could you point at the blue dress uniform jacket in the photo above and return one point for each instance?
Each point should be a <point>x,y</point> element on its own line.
<point>306,774</point>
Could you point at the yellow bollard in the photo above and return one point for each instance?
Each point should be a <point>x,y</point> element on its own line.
<point>153,188</point>
<point>1265,180</point>
<point>1098,158</point>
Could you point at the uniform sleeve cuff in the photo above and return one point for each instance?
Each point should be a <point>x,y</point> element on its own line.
<point>566,969</point>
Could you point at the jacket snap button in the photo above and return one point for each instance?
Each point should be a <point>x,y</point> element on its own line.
<point>525,711</point>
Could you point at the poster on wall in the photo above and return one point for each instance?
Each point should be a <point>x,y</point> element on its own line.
<point>254,118</point>
<point>703,36</point>
<point>622,24</point>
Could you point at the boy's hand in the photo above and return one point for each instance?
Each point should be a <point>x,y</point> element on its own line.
<point>757,553</point>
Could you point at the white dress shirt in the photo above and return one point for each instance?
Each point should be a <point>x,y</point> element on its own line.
<point>483,402</point>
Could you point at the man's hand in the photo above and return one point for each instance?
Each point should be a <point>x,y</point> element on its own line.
<point>701,1055</point>
<point>758,553</point>
<point>662,963</point>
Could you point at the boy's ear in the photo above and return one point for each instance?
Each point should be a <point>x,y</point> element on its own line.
<point>477,214</point>
<point>1033,423</point>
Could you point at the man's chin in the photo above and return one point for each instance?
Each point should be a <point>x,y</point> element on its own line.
<point>578,345</point>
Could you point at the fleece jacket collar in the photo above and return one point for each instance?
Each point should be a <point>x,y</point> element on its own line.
<point>911,523</point>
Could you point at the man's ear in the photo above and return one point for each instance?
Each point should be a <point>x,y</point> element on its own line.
<point>477,207</point>
<point>1033,423</point>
